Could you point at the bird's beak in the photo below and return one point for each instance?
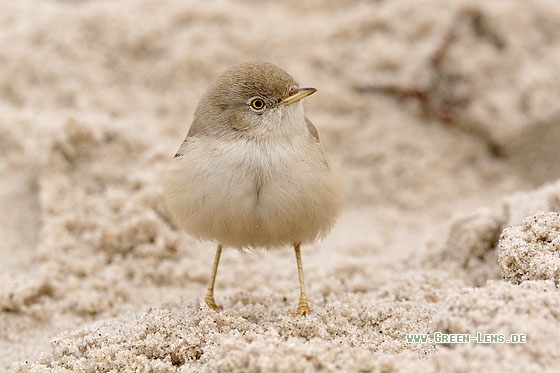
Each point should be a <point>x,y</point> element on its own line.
<point>298,95</point>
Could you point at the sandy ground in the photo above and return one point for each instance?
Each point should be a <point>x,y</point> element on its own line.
<point>441,117</point>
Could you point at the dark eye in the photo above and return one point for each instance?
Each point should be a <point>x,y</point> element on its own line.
<point>257,104</point>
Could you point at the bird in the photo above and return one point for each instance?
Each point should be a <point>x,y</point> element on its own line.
<point>251,172</point>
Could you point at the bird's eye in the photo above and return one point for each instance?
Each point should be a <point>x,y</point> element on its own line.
<point>257,104</point>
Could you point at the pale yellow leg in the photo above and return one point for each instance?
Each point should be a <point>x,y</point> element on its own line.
<point>209,298</point>
<point>303,305</point>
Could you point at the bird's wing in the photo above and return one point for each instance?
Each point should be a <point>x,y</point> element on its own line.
<point>312,130</point>
<point>194,129</point>
<point>181,151</point>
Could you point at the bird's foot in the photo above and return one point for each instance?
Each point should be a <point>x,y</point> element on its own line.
<point>303,307</point>
<point>209,300</point>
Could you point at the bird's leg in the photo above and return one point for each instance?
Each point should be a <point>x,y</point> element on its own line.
<point>303,305</point>
<point>209,298</point>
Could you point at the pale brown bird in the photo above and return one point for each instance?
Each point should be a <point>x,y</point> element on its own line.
<point>251,171</point>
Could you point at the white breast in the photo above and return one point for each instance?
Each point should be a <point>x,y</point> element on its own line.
<point>245,193</point>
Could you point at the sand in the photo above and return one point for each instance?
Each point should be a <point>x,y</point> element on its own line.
<point>441,117</point>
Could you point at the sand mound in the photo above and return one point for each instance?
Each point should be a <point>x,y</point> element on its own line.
<point>531,251</point>
<point>474,239</point>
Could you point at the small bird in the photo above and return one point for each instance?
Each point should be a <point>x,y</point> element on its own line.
<point>251,171</point>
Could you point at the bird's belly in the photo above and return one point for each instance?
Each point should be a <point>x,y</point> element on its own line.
<point>254,194</point>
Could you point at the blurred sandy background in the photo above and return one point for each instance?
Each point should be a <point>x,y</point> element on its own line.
<point>442,117</point>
